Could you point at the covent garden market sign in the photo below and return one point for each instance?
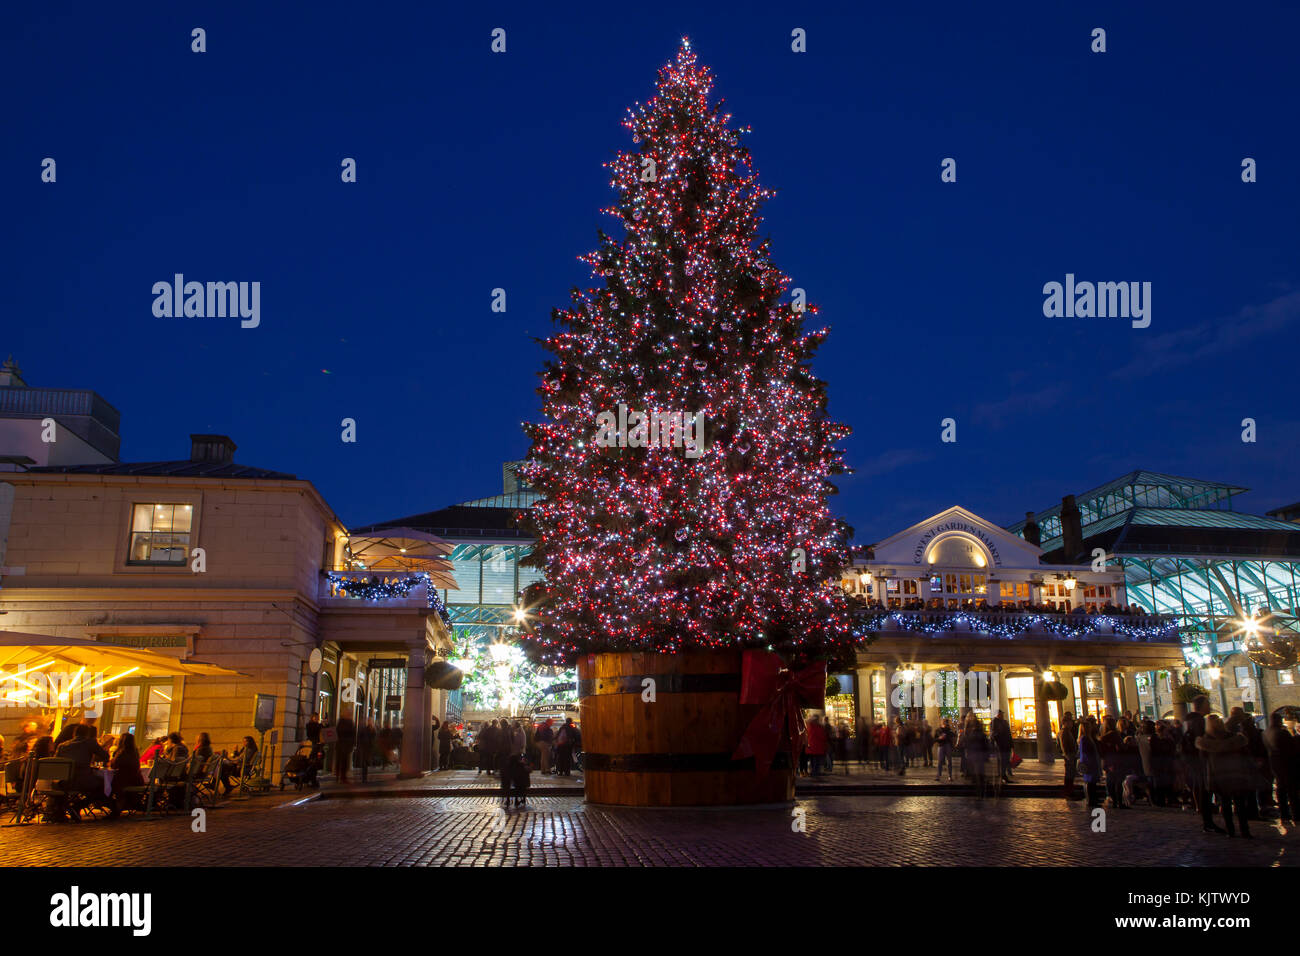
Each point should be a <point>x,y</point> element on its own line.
<point>963,527</point>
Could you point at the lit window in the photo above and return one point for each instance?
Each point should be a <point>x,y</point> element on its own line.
<point>1286,677</point>
<point>160,533</point>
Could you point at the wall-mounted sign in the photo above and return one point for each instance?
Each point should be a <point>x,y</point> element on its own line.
<point>143,640</point>
<point>393,702</point>
<point>314,660</point>
<point>965,527</point>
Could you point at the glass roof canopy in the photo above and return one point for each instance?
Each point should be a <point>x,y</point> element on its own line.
<point>1138,489</point>
<point>1243,565</point>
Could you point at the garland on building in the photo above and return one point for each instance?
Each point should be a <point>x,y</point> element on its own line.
<point>1063,626</point>
<point>388,588</point>
<point>650,541</point>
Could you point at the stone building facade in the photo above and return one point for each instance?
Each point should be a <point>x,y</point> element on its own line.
<point>206,559</point>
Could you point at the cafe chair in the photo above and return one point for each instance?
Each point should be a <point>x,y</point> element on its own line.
<point>53,782</point>
<point>204,777</point>
<point>156,782</point>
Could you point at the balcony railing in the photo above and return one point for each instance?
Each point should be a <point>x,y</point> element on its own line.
<point>1008,625</point>
<point>399,589</point>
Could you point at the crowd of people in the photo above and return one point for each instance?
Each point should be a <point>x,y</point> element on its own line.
<point>900,745</point>
<point>1217,766</point>
<point>1214,765</point>
<point>494,743</point>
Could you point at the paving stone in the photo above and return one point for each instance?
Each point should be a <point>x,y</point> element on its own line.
<point>561,830</point>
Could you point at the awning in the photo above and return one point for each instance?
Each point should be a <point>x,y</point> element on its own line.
<point>405,549</point>
<point>20,652</point>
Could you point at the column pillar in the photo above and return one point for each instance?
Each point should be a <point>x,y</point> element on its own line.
<point>1132,702</point>
<point>931,688</point>
<point>1108,689</point>
<point>963,695</point>
<point>1043,720</point>
<point>865,701</point>
<point>999,689</point>
<point>891,711</point>
<point>417,717</point>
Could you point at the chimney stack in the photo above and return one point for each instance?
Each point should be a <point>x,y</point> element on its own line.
<point>1032,532</point>
<point>1071,531</point>
<point>214,448</point>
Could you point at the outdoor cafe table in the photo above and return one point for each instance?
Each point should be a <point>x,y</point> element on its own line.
<point>107,776</point>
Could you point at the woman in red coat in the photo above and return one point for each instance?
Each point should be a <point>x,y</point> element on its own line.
<point>816,745</point>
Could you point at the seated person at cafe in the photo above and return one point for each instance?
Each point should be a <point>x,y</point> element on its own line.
<point>234,764</point>
<point>202,746</point>
<point>175,749</point>
<point>154,750</point>
<point>124,760</point>
<point>83,750</point>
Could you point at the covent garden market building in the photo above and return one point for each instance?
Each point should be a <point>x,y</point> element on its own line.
<point>1118,594</point>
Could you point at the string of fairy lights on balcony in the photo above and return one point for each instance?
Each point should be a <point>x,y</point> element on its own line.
<point>1060,627</point>
<point>388,588</point>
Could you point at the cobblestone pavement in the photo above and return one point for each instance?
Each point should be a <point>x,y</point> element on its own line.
<point>562,831</point>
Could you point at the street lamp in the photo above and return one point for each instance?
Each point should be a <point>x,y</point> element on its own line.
<point>1070,582</point>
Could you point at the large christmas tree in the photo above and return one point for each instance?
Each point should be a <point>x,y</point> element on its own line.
<point>648,541</point>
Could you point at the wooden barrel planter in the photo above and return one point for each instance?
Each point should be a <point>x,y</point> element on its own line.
<point>675,751</point>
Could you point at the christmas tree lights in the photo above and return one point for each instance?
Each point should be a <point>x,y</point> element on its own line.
<point>649,548</point>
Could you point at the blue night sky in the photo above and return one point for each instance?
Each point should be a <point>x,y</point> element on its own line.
<point>479,171</point>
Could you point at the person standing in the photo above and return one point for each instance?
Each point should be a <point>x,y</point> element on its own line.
<point>898,743</point>
<point>518,743</point>
<point>945,739</point>
<point>365,747</point>
<point>347,732</point>
<point>927,742</point>
<point>445,735</point>
<point>1230,771</point>
<point>487,744</point>
<point>545,739</point>
<point>1090,761</point>
<point>1110,745</point>
<point>816,745</point>
<point>312,732</point>
<point>1193,730</point>
<point>1282,761</point>
<point>1068,738</point>
<point>977,752</point>
<point>565,741</point>
<point>1002,741</point>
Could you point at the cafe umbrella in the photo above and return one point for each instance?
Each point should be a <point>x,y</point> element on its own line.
<point>88,670</point>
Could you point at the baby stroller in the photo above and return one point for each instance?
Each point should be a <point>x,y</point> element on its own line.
<point>302,768</point>
<point>514,780</point>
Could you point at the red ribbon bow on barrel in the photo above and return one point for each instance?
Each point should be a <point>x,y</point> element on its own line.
<point>781,694</point>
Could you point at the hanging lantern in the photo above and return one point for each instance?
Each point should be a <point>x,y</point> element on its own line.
<point>1270,650</point>
<point>1054,690</point>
